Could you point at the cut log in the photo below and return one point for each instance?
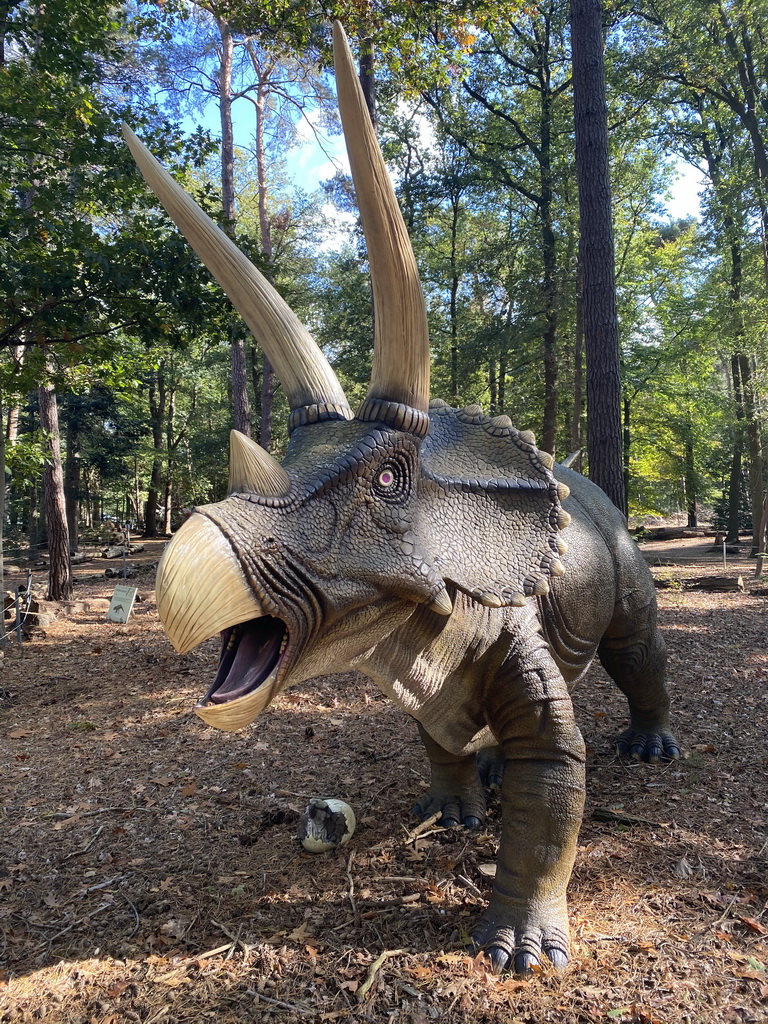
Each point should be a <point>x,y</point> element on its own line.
<point>664,533</point>
<point>717,584</point>
<point>122,549</point>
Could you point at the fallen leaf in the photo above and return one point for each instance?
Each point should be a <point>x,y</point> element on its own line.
<point>174,978</point>
<point>451,958</point>
<point>117,989</point>
<point>67,822</point>
<point>189,790</point>
<point>754,925</point>
<point>301,933</point>
<point>420,972</point>
<point>19,734</point>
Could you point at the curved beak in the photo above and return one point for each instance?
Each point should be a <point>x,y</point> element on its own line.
<point>201,588</point>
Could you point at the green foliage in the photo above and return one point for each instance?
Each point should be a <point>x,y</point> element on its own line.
<point>101,295</point>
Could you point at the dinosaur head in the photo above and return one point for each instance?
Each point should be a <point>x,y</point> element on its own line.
<point>312,562</point>
<point>302,578</point>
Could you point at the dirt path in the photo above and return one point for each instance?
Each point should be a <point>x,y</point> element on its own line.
<point>149,871</point>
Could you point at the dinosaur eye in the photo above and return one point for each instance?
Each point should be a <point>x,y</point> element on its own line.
<point>392,481</point>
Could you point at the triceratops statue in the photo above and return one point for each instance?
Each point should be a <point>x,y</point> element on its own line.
<point>421,545</point>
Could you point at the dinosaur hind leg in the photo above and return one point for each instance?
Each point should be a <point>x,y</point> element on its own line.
<point>455,789</point>
<point>636,661</point>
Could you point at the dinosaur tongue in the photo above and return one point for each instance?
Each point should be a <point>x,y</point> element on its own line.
<point>249,653</point>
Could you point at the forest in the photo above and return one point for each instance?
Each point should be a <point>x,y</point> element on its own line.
<point>122,365</point>
<point>150,866</point>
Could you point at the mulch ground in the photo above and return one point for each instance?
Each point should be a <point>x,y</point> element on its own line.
<point>149,869</point>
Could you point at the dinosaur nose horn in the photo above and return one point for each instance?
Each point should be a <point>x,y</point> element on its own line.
<point>304,372</point>
<point>401,338</point>
<point>252,469</point>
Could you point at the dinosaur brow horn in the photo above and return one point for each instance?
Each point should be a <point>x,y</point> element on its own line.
<point>401,339</point>
<point>302,368</point>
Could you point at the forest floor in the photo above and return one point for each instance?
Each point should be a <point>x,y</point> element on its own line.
<point>149,870</point>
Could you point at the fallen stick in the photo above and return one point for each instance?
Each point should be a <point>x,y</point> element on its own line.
<point>374,969</point>
<point>88,845</point>
<point>420,829</point>
<point>236,940</point>
<point>620,818</point>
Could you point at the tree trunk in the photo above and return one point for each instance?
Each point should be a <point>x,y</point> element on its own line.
<point>157,401</point>
<point>239,377</point>
<point>601,326</point>
<point>2,513</point>
<point>690,480</point>
<point>762,554</point>
<point>170,447</point>
<point>578,378</point>
<point>734,289</point>
<point>454,293</point>
<point>265,231</point>
<point>368,75</point>
<point>550,279</point>
<point>60,572</point>
<point>626,438</point>
<point>72,481</point>
<point>754,440</point>
<point>502,385</point>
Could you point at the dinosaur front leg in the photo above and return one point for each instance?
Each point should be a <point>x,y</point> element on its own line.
<point>455,787</point>
<point>542,798</point>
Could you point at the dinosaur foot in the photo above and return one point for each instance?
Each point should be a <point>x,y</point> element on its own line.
<point>490,768</point>
<point>648,745</point>
<point>525,945</point>
<point>466,807</point>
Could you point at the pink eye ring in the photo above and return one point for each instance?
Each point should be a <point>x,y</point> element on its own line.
<point>386,478</point>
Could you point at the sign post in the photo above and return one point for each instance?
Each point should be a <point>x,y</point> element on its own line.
<point>121,605</point>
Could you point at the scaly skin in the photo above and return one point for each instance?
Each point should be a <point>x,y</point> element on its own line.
<point>542,798</point>
<point>530,713</point>
<point>351,559</point>
<point>455,789</point>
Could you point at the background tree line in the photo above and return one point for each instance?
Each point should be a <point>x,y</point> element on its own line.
<point>122,367</point>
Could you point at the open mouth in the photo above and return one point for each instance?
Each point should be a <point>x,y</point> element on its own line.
<point>251,653</point>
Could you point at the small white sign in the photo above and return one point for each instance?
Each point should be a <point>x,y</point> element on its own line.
<point>121,605</point>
